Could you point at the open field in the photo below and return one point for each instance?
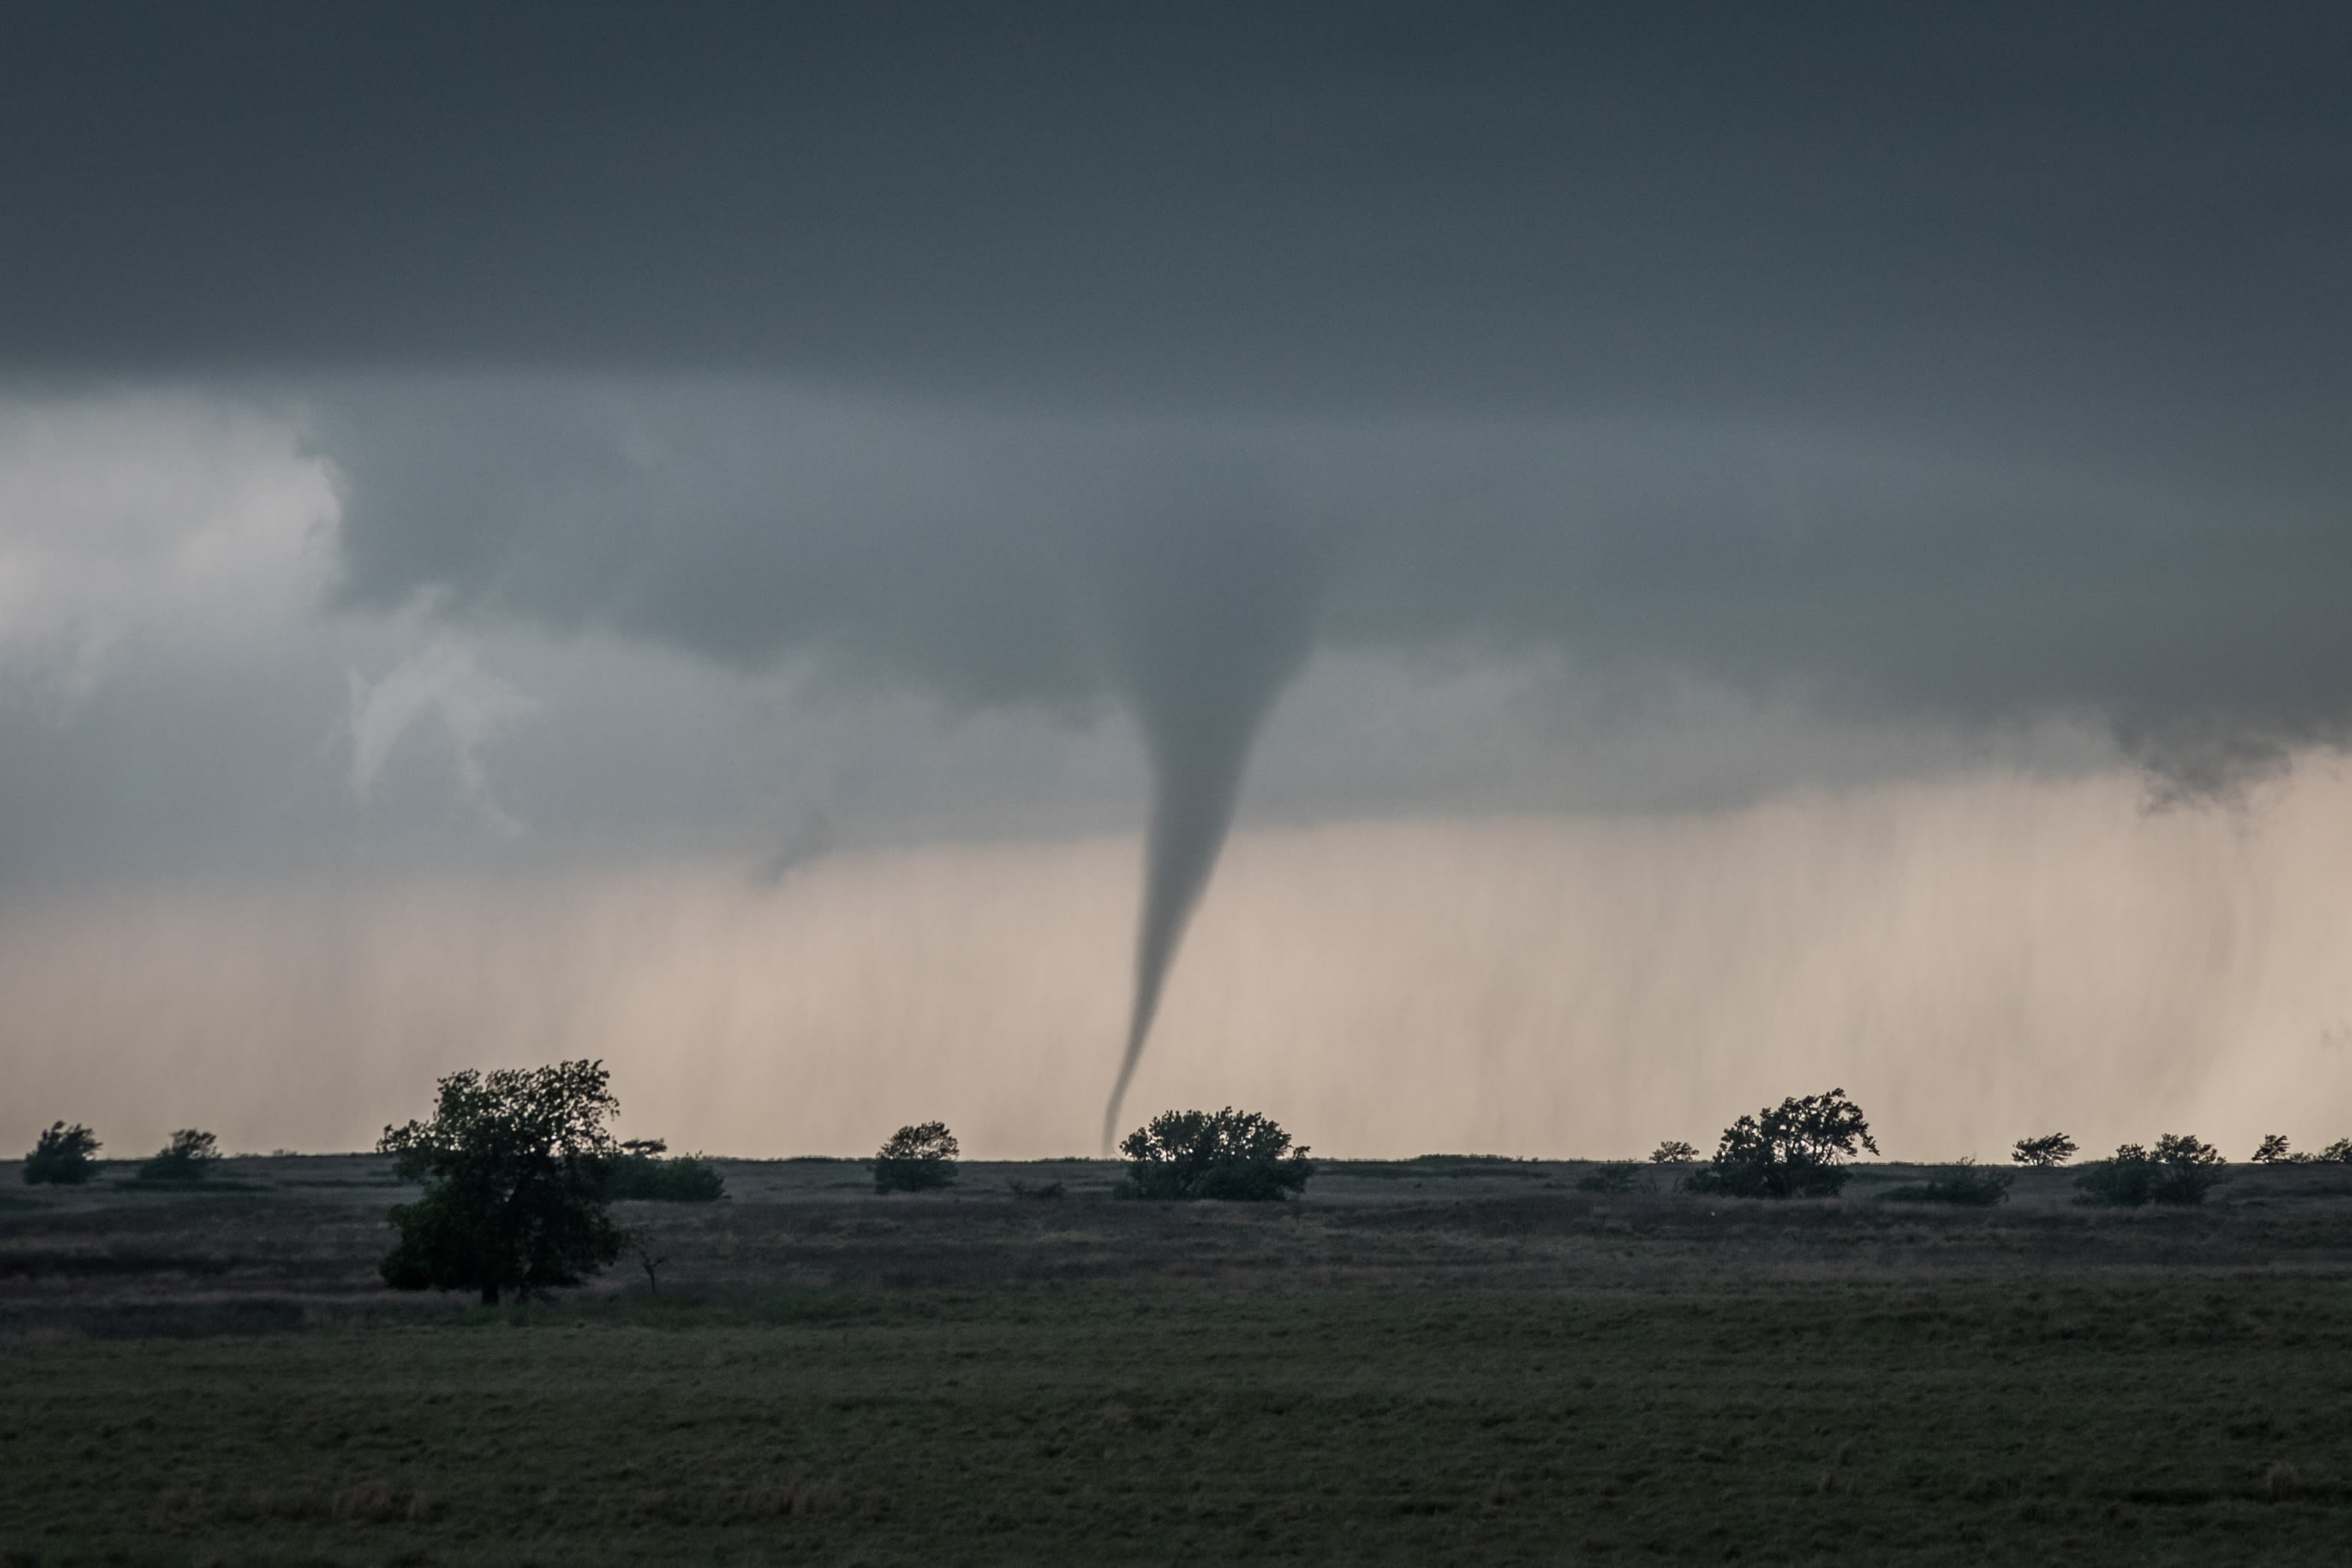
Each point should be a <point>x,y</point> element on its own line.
<point>1425,1362</point>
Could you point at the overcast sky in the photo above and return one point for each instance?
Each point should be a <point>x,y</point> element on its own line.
<point>534,438</point>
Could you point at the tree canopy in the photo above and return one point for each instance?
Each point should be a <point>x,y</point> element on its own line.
<point>2181,1169</point>
<point>1232,1154</point>
<point>61,1154</point>
<point>515,1165</point>
<point>916,1158</point>
<point>1796,1149</point>
<point>2050,1149</point>
<point>189,1156</point>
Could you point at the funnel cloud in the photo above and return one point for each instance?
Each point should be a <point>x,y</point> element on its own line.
<point>1207,637</point>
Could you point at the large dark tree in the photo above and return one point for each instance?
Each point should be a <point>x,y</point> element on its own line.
<point>516,1168</point>
<point>1227,1153</point>
<point>1796,1149</point>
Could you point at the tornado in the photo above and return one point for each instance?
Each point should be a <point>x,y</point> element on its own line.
<point>1216,621</point>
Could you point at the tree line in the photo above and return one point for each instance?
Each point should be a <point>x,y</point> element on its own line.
<point>519,1169</point>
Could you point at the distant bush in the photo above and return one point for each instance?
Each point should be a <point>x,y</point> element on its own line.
<point>1235,1156</point>
<point>2274,1151</point>
<point>1797,1149</point>
<point>1967,1183</point>
<point>2055,1149</point>
<point>2339,1153</point>
<point>187,1158</point>
<point>62,1155</point>
<point>1046,1190</point>
<point>917,1158</point>
<point>641,1174</point>
<point>2125,1180</point>
<point>1672,1152</point>
<point>2180,1170</point>
<point>1617,1175</point>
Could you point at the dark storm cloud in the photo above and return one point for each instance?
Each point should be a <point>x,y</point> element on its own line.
<point>993,558</point>
<point>1976,363</point>
<point>1960,209</point>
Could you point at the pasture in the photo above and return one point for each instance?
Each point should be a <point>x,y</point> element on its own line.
<point>1438,1360</point>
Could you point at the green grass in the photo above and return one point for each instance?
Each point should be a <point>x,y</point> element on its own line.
<point>1480,1371</point>
<point>2125,1419</point>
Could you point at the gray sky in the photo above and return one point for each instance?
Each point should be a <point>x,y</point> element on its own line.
<point>554,435</point>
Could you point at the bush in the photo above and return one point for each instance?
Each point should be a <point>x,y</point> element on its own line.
<point>917,1159</point>
<point>62,1156</point>
<point>1797,1149</point>
<point>2124,1181</point>
<point>1967,1183</point>
<point>515,1166</point>
<point>1044,1191</point>
<point>640,1174</point>
<point>2180,1170</point>
<point>1672,1152</point>
<point>187,1158</point>
<point>1616,1177</point>
<point>2187,1169</point>
<point>1235,1156</point>
<point>2274,1151</point>
<point>2055,1149</point>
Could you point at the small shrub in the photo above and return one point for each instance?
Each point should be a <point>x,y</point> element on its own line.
<point>1235,1156</point>
<point>2339,1153</point>
<point>2187,1169</point>
<point>62,1156</point>
<point>917,1159</point>
<point>187,1158</point>
<point>1617,1175</point>
<point>2180,1170</point>
<point>1019,1189</point>
<point>641,1174</point>
<point>2054,1149</point>
<point>2274,1151</point>
<point>1967,1183</point>
<point>2123,1181</point>
<point>1672,1152</point>
<point>1797,1149</point>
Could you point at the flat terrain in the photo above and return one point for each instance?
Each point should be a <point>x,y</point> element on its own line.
<point>1444,1361</point>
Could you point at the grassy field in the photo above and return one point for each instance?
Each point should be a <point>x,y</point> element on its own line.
<point>1458,1364</point>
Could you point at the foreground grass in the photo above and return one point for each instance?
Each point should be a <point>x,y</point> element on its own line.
<point>2137,1415</point>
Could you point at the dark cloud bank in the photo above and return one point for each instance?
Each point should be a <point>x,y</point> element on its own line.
<point>1979,364</point>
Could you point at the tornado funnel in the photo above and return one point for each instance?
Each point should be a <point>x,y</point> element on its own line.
<point>1217,618</point>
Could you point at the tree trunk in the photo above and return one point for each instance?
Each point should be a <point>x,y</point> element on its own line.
<point>489,1294</point>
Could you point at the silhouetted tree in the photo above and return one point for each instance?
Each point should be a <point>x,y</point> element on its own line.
<point>62,1155</point>
<point>515,1165</point>
<point>1672,1152</point>
<point>187,1158</point>
<point>1796,1149</point>
<point>917,1158</point>
<point>2180,1169</point>
<point>2274,1151</point>
<point>2055,1149</point>
<point>1237,1156</point>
